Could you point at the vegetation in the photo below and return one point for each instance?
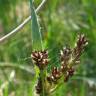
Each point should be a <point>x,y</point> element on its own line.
<point>60,23</point>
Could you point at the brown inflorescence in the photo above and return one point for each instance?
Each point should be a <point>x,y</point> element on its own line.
<point>55,75</point>
<point>40,58</point>
<point>69,58</point>
<point>66,55</point>
<point>79,47</point>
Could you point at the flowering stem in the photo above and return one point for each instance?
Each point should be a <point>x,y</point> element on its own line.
<point>42,76</point>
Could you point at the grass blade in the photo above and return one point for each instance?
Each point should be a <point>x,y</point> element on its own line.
<point>36,32</point>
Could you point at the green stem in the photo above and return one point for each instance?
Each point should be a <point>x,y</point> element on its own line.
<point>42,76</point>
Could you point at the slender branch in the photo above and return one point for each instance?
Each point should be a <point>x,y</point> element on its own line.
<point>19,27</point>
<point>42,76</point>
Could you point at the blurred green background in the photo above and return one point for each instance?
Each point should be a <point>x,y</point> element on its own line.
<point>60,21</point>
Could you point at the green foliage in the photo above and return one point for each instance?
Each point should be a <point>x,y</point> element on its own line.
<point>62,20</point>
<point>36,32</point>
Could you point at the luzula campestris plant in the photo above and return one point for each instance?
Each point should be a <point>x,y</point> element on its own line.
<point>68,57</point>
<point>48,82</point>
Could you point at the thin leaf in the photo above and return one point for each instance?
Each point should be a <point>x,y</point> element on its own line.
<point>36,33</point>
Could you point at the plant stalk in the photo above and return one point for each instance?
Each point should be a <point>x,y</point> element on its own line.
<point>42,76</point>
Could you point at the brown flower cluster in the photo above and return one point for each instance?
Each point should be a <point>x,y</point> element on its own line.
<point>69,58</point>
<point>65,70</point>
<point>55,75</point>
<point>66,60</point>
<point>40,58</point>
<point>79,47</point>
